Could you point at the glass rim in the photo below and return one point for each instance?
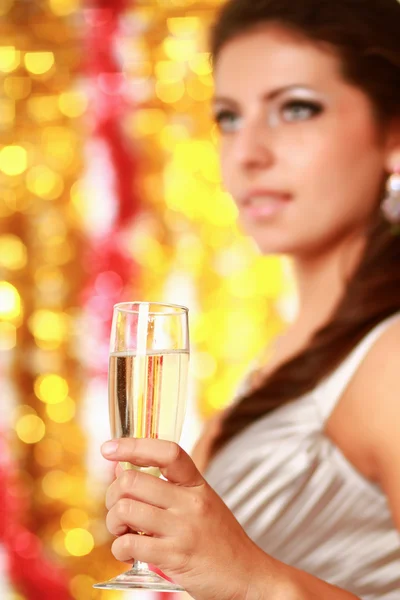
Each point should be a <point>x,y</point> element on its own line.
<point>177,309</point>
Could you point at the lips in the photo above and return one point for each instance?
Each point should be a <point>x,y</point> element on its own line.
<point>264,203</point>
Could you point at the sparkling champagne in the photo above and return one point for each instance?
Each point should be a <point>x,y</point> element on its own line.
<point>147,396</point>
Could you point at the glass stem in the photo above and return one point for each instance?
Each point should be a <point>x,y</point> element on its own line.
<point>140,567</point>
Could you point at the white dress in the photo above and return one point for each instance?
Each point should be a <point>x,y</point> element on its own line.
<point>302,501</point>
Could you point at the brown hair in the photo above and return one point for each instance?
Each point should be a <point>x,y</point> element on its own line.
<point>365,35</point>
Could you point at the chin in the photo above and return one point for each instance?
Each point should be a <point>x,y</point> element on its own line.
<point>272,243</point>
<point>269,237</point>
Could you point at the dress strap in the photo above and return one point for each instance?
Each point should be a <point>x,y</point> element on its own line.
<point>331,389</point>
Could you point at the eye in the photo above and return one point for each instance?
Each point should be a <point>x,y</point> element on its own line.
<point>227,121</point>
<point>300,110</point>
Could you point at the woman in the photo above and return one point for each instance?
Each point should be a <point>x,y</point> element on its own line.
<point>302,492</point>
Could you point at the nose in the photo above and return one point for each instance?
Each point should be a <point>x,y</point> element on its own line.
<point>252,147</point>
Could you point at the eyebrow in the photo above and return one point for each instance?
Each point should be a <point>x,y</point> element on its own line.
<point>265,97</point>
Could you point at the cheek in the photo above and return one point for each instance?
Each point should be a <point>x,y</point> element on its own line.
<point>341,169</point>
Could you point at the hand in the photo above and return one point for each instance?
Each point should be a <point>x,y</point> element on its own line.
<point>192,536</point>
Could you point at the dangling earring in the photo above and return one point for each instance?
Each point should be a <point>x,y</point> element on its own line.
<point>391,202</point>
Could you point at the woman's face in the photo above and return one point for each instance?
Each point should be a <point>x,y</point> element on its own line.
<point>301,151</point>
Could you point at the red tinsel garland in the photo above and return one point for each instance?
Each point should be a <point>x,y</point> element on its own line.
<point>107,256</point>
<point>107,79</point>
<point>28,569</point>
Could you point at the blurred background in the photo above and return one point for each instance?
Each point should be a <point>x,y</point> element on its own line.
<point>110,191</point>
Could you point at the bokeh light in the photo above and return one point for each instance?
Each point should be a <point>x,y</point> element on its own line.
<point>17,88</point>
<point>79,542</point>
<point>8,336</point>
<point>13,253</point>
<point>51,388</point>
<point>39,63</point>
<point>13,160</point>
<point>72,104</point>
<point>61,412</point>
<point>10,58</point>
<point>50,328</point>
<point>10,301</point>
<point>30,429</point>
<point>63,8</point>
<point>44,182</point>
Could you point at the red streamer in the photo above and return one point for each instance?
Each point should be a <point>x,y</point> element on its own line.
<point>107,259</point>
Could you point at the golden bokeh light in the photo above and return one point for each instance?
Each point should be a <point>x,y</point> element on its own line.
<point>44,182</point>
<point>200,90</point>
<point>63,8</point>
<point>170,92</point>
<point>184,26</point>
<point>201,63</point>
<point>10,302</point>
<point>51,388</point>
<point>72,103</point>
<point>180,50</point>
<point>39,63</point>
<point>13,160</point>
<point>149,251</point>
<point>169,71</point>
<point>62,412</point>
<point>172,134</point>
<point>17,88</point>
<point>225,212</point>
<point>49,327</point>
<point>79,542</point>
<point>8,336</point>
<point>13,253</point>
<point>10,58</point>
<point>30,429</point>
<point>148,121</point>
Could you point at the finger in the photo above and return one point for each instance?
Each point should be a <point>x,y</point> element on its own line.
<point>141,547</point>
<point>175,464</point>
<point>137,516</point>
<point>143,487</point>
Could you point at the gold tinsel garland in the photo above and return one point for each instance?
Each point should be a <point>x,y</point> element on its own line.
<point>41,279</point>
<point>186,242</point>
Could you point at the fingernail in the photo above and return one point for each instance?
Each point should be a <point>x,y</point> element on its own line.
<point>109,448</point>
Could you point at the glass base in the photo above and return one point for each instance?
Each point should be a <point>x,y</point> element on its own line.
<point>136,579</point>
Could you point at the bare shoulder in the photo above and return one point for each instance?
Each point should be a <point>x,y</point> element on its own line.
<point>374,398</point>
<point>376,385</point>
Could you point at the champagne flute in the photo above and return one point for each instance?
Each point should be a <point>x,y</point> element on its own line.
<point>148,372</point>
